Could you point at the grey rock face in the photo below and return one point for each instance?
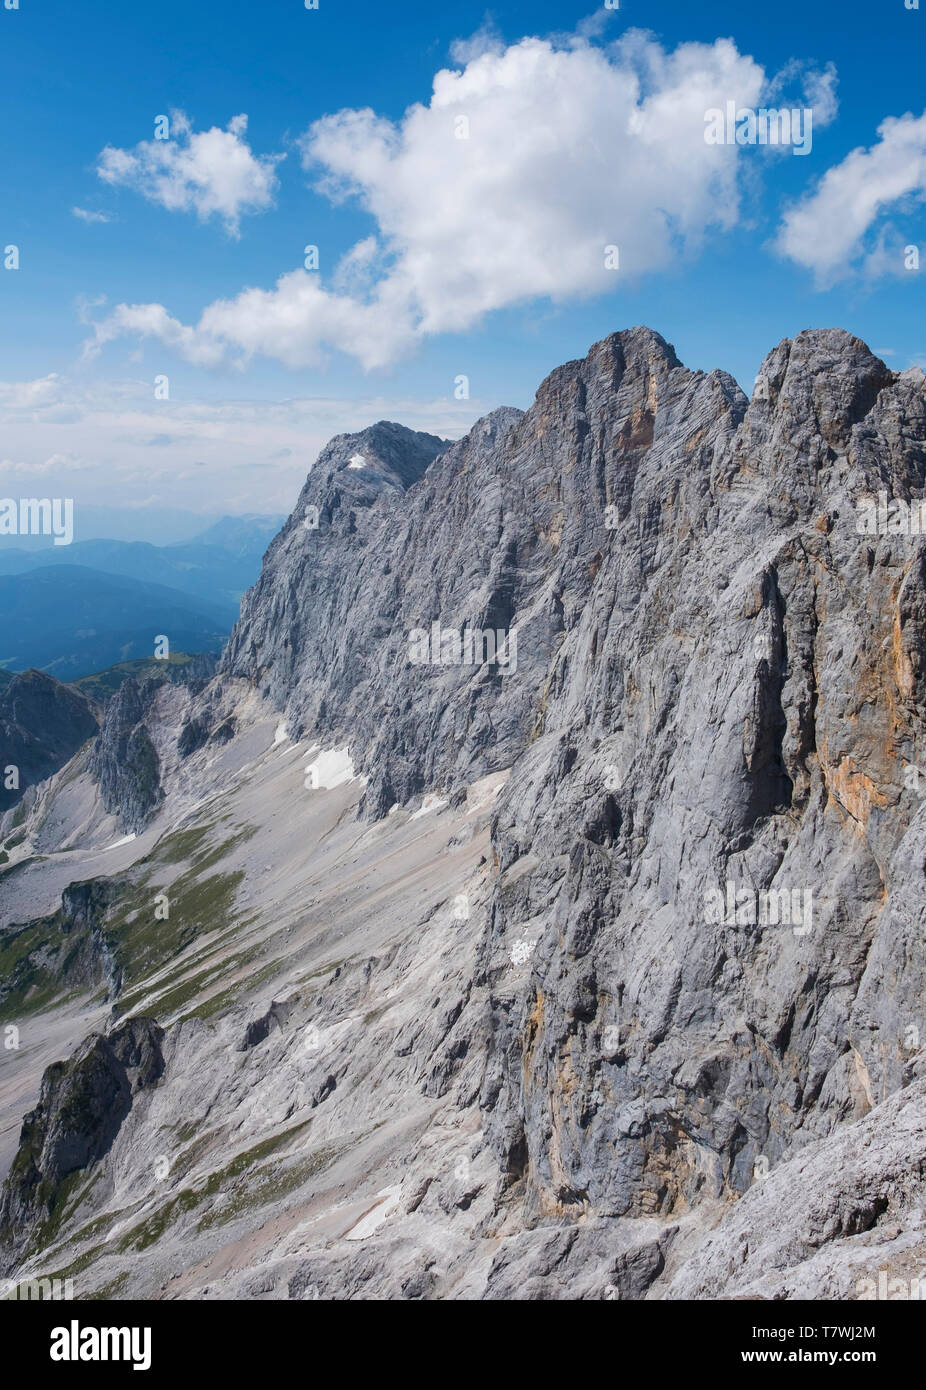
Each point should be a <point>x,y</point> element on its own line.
<point>124,760</point>
<point>729,710</point>
<point>507,529</point>
<point>195,672</point>
<point>42,725</point>
<point>832,1223</point>
<point>82,1107</point>
<point>68,951</point>
<point>695,970</point>
<point>717,682</point>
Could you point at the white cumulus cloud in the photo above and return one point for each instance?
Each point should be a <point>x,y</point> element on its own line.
<point>527,162</point>
<point>210,172</point>
<point>837,228</point>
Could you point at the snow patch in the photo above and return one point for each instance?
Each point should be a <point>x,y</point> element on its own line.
<point>432,802</point>
<point>357,461</point>
<point>388,1201</point>
<point>280,735</point>
<point>329,770</point>
<point>126,839</point>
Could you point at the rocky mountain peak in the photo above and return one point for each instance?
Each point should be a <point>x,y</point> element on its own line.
<point>395,455</point>
<point>825,380</point>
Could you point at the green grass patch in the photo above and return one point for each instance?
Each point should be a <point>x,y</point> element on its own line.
<point>148,1232</point>
<point>102,684</point>
<point>143,942</point>
<point>34,962</point>
<point>227,998</point>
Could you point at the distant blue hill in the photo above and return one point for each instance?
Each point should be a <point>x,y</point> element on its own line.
<point>72,621</point>
<point>244,536</point>
<point>216,567</point>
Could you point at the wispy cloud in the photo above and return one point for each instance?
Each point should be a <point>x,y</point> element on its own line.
<point>86,215</point>
<point>117,445</point>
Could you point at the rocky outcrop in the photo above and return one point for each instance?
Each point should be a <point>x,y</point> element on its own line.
<point>42,725</point>
<point>67,951</point>
<point>124,761</point>
<point>82,1107</point>
<point>841,1220</point>
<point>196,671</point>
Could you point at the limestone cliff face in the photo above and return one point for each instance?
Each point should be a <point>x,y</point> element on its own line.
<point>507,528</point>
<point>124,760</point>
<point>691,946</point>
<point>735,670</point>
<point>718,681</point>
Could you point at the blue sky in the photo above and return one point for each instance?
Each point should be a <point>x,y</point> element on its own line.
<point>472,257</point>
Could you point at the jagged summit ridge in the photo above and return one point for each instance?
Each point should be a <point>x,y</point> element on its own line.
<point>610,443</point>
